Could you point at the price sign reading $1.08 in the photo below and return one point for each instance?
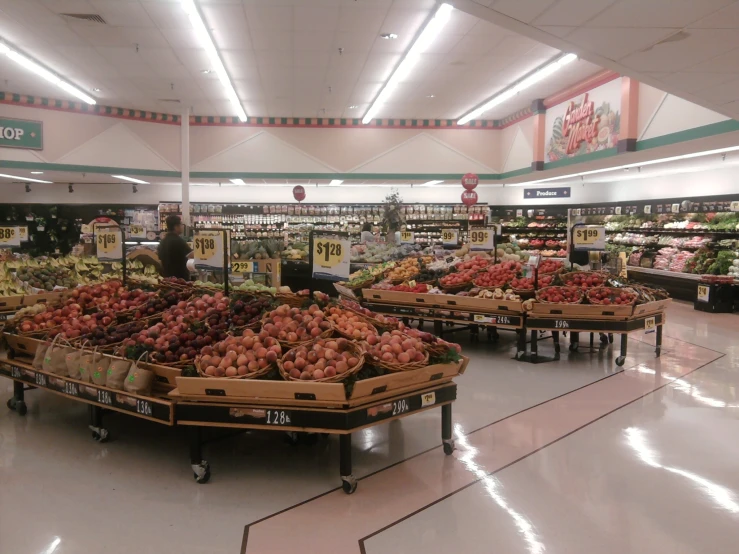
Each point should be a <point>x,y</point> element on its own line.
<point>9,236</point>
<point>108,243</point>
<point>589,238</point>
<point>482,239</point>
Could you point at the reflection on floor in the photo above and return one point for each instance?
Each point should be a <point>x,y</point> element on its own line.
<point>583,458</point>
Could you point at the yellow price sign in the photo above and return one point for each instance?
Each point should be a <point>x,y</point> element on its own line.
<point>9,236</point>
<point>328,252</point>
<point>137,231</point>
<point>589,238</point>
<point>23,233</point>
<point>649,323</point>
<point>407,237</point>
<point>331,258</point>
<point>482,239</point>
<point>108,245</point>
<point>243,267</point>
<point>208,249</point>
<point>205,247</point>
<point>449,236</point>
<point>704,292</point>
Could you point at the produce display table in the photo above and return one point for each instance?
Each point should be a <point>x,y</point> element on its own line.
<point>575,319</point>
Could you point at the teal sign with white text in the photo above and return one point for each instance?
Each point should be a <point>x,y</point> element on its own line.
<point>21,133</point>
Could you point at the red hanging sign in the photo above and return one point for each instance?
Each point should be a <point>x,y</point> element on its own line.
<point>299,193</point>
<point>469,181</point>
<point>469,198</point>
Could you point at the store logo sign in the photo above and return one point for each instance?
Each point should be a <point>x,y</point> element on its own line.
<point>21,133</point>
<point>580,124</point>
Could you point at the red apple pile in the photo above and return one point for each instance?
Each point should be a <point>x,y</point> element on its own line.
<point>239,356</point>
<point>584,279</point>
<point>560,295</point>
<point>608,296</point>
<point>498,275</point>
<point>522,283</point>
<point>477,263</point>
<point>545,280</point>
<point>550,266</point>
<point>457,279</point>
<point>396,347</point>
<point>291,325</point>
<point>419,288</point>
<point>323,359</point>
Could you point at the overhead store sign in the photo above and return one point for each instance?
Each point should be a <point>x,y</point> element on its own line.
<point>558,192</point>
<point>21,133</point>
<point>584,124</point>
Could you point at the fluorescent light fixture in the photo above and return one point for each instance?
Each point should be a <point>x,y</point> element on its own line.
<point>206,41</point>
<point>130,179</point>
<point>431,183</point>
<point>237,181</point>
<point>335,182</point>
<point>529,80</point>
<point>52,546</point>
<point>24,179</point>
<point>635,164</point>
<point>35,67</point>
<point>37,172</point>
<point>427,36</point>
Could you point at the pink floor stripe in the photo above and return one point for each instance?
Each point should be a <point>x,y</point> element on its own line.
<point>334,523</point>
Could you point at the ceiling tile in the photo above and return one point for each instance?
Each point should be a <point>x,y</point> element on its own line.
<point>557,30</point>
<point>271,41</point>
<point>727,18</point>
<point>145,37</point>
<point>181,38</point>
<point>723,64</point>
<point>270,18</point>
<point>572,12</point>
<point>617,43</point>
<point>656,13</point>
<point>167,15</point>
<point>695,82</point>
<point>312,42</point>
<point>359,19</point>
<point>128,13</point>
<point>317,19</point>
<point>723,93</point>
<point>523,10</point>
<point>355,42</point>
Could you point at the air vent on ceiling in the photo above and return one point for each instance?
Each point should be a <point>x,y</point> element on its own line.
<point>173,100</point>
<point>92,17</point>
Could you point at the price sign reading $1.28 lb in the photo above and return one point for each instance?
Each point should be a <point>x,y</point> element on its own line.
<point>482,239</point>
<point>208,249</point>
<point>589,238</point>
<point>331,258</point>
<point>108,244</point>
<point>449,237</point>
<point>9,236</point>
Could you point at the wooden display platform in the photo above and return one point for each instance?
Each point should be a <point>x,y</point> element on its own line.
<point>462,316</point>
<point>447,301</point>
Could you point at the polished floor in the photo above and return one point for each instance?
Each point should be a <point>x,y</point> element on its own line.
<point>575,456</point>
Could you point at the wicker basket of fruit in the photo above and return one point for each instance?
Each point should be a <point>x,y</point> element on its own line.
<point>244,357</point>
<point>560,295</point>
<point>547,267</point>
<point>291,299</point>
<point>583,279</point>
<point>294,327</point>
<point>379,321</point>
<point>396,351</point>
<point>457,282</point>
<point>610,296</point>
<point>523,286</point>
<point>546,279</point>
<point>348,324</point>
<point>322,361</point>
<point>498,275</point>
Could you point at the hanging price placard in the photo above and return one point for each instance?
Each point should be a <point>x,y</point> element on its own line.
<point>734,206</point>
<point>676,208</point>
<point>244,267</point>
<point>407,237</point>
<point>482,239</point>
<point>592,237</point>
<point>23,233</point>
<point>9,237</point>
<point>704,293</point>
<point>331,256</point>
<point>108,243</point>
<point>450,237</point>
<point>647,209</point>
<point>208,249</point>
<point>137,231</point>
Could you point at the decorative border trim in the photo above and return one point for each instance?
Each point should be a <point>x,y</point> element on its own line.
<point>513,118</point>
<point>339,122</point>
<point>84,108</point>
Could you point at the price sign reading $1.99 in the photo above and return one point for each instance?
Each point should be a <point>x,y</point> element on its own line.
<point>406,237</point>
<point>208,249</point>
<point>331,258</point>
<point>589,238</point>
<point>449,237</point>
<point>482,239</point>
<point>108,244</point>
<point>9,236</point>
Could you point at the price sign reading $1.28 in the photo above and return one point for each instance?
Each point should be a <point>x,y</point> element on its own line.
<point>9,236</point>
<point>482,239</point>
<point>108,243</point>
<point>328,252</point>
<point>331,258</point>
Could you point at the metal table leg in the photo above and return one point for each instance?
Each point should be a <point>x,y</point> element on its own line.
<point>200,468</point>
<point>446,429</point>
<point>521,347</point>
<point>658,342</point>
<point>18,402</point>
<point>555,340</point>
<point>624,346</point>
<point>438,328</point>
<point>348,481</point>
<point>534,345</point>
<point>99,433</point>
<point>574,341</point>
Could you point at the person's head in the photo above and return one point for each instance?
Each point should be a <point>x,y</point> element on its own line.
<point>367,226</point>
<point>174,224</point>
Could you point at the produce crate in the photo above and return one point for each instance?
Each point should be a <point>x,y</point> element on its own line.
<point>583,310</point>
<point>47,297</point>
<point>8,303</point>
<point>442,301</point>
<point>24,346</point>
<point>650,307</point>
<point>305,393</point>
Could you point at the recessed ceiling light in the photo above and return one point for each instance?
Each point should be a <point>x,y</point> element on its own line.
<point>32,65</point>
<point>430,96</point>
<point>37,172</point>
<point>237,181</point>
<point>96,89</point>
<point>22,178</point>
<point>335,182</point>
<point>430,31</point>
<point>206,71</point>
<point>388,36</point>
<point>353,106</point>
<point>130,179</point>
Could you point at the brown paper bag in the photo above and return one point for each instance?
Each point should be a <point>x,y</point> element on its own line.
<point>55,357</point>
<point>72,361</point>
<point>38,357</point>
<point>87,361</point>
<point>139,380</point>
<point>117,373</point>
<point>99,369</point>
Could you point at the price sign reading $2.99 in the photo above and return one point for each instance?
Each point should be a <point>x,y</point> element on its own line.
<point>108,244</point>
<point>589,238</point>
<point>331,258</point>
<point>482,239</point>
<point>449,237</point>
<point>9,236</point>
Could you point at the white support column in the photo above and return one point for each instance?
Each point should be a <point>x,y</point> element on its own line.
<point>185,165</point>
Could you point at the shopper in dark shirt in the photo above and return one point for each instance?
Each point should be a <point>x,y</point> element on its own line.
<point>173,250</point>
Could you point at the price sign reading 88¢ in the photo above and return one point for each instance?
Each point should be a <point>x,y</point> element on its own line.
<point>108,244</point>
<point>9,236</point>
<point>208,249</point>
<point>482,239</point>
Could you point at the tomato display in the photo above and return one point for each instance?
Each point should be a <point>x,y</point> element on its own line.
<point>560,295</point>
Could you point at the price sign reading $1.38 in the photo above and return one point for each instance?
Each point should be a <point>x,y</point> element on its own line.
<point>108,244</point>
<point>208,249</point>
<point>9,236</point>
<point>331,258</point>
<point>589,238</point>
<point>482,239</point>
<point>449,237</point>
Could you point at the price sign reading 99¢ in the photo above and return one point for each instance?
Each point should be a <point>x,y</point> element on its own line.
<point>331,258</point>
<point>589,238</point>
<point>108,244</point>
<point>449,237</point>
<point>482,239</point>
<point>9,237</point>
<point>208,250</point>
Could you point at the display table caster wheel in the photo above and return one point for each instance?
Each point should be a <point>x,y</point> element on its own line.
<point>574,346</point>
<point>448,446</point>
<point>101,436</point>
<point>604,338</point>
<point>17,406</point>
<point>610,338</point>
<point>10,404</point>
<point>620,360</point>
<point>201,472</point>
<point>349,484</point>
<point>520,354</point>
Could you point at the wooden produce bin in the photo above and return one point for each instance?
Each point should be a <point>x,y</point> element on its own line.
<point>651,307</point>
<point>582,310</point>
<point>442,301</point>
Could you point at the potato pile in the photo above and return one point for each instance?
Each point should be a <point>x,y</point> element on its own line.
<point>323,359</point>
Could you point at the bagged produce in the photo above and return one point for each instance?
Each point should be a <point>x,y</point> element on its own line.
<point>55,357</point>
<point>38,358</point>
<point>139,380</point>
<point>117,373</point>
<point>72,361</point>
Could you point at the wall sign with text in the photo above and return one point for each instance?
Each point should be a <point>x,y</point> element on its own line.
<point>21,133</point>
<point>558,192</point>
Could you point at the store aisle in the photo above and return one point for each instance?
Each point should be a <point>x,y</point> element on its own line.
<point>136,491</point>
